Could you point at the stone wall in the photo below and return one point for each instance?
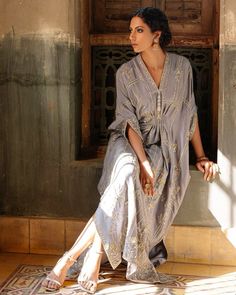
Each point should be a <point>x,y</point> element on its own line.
<point>40,107</point>
<point>40,110</point>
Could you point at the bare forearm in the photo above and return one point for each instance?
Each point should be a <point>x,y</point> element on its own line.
<point>197,143</point>
<point>203,164</point>
<point>146,173</point>
<point>136,144</point>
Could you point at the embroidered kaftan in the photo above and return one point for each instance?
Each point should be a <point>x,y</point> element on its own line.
<point>130,223</point>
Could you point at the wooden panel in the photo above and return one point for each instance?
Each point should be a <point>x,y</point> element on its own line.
<point>184,11</point>
<point>178,41</point>
<point>2,143</point>
<point>208,16</point>
<point>215,82</point>
<point>191,17</point>
<point>97,18</point>
<point>86,78</point>
<point>114,15</point>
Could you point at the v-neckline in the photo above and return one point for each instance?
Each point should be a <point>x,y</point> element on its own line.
<point>148,74</point>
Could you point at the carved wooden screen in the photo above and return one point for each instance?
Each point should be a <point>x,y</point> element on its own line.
<point>186,16</point>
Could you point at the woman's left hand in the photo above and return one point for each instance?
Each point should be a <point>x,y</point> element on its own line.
<point>147,178</point>
<point>208,168</point>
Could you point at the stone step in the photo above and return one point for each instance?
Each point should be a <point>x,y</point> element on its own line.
<point>188,244</point>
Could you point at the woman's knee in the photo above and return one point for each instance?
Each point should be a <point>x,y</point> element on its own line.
<point>128,164</point>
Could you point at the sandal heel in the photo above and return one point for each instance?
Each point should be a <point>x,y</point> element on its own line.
<point>55,279</point>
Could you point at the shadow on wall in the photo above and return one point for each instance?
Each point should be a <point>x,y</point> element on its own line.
<point>222,198</point>
<point>222,194</point>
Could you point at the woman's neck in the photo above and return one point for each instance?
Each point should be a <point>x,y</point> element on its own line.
<point>154,59</point>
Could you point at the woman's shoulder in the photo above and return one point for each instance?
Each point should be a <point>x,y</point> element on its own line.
<point>179,61</point>
<point>127,70</point>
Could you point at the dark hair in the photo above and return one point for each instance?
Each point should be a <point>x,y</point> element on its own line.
<point>157,21</point>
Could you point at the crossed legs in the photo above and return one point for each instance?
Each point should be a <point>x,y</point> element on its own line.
<point>90,270</point>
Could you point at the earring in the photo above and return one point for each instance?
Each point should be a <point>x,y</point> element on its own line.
<point>156,45</point>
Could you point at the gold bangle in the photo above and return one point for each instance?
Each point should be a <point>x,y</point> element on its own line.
<point>203,158</point>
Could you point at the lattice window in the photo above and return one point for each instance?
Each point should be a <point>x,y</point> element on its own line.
<point>107,59</point>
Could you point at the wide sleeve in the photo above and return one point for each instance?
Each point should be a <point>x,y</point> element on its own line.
<point>125,110</point>
<point>192,108</point>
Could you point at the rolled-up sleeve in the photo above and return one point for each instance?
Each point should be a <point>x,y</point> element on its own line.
<point>125,110</point>
<point>191,104</point>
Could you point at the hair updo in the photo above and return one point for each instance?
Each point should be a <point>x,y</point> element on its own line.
<point>157,21</point>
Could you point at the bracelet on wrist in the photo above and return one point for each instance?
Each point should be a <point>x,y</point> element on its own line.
<point>203,158</point>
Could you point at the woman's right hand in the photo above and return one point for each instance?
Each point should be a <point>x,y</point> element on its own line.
<point>208,168</point>
<point>147,178</point>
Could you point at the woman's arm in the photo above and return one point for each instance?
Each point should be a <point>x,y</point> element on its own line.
<point>197,143</point>
<point>203,164</point>
<point>146,173</point>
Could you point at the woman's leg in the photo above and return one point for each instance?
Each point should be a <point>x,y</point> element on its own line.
<point>57,276</point>
<point>89,274</point>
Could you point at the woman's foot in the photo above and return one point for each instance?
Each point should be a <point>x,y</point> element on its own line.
<point>88,277</point>
<point>56,277</point>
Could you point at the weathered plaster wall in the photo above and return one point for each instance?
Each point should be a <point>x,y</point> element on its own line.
<point>222,197</point>
<point>40,103</point>
<point>39,17</point>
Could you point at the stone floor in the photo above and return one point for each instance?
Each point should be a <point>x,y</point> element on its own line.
<point>9,261</point>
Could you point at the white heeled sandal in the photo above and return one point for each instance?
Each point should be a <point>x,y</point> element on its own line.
<point>91,283</point>
<point>55,279</point>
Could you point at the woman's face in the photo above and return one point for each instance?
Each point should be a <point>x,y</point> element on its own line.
<point>141,37</point>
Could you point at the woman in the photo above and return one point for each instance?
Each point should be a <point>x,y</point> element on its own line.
<point>146,168</point>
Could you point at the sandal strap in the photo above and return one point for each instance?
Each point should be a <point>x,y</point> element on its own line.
<point>70,258</point>
<point>99,252</point>
<point>53,281</point>
<point>88,290</point>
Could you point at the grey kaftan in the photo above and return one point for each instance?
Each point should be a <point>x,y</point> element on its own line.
<point>130,223</point>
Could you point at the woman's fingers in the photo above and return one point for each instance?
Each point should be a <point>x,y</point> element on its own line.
<point>147,178</point>
<point>199,167</point>
<point>214,170</point>
<point>145,185</point>
<point>210,170</point>
<point>143,182</point>
<point>206,167</point>
<point>148,187</point>
<point>152,187</point>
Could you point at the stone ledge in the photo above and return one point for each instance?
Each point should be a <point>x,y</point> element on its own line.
<point>189,244</point>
